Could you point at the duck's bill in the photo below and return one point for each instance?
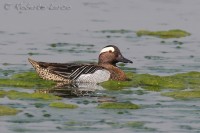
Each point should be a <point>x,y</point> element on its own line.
<point>124,60</point>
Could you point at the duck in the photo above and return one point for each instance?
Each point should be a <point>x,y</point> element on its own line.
<point>105,70</point>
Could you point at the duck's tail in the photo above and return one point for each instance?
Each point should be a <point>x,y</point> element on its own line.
<point>33,63</point>
<point>45,73</point>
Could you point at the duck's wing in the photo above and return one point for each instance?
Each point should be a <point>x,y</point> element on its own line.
<point>73,71</point>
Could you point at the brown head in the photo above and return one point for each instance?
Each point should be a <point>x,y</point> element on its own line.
<point>112,55</point>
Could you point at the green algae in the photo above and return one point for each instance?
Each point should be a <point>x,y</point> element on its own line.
<point>135,124</point>
<point>175,33</point>
<point>121,31</point>
<point>156,83</point>
<point>132,125</point>
<point>116,85</point>
<point>72,124</point>
<point>59,44</point>
<point>28,115</point>
<point>46,115</point>
<point>6,72</point>
<point>115,105</point>
<point>39,105</point>
<point>5,110</point>
<point>154,57</point>
<point>24,95</point>
<point>31,53</point>
<point>178,82</point>
<point>26,80</point>
<point>2,93</point>
<point>146,81</point>
<point>81,125</point>
<point>183,94</point>
<point>62,105</point>
<point>13,95</point>
<point>138,125</point>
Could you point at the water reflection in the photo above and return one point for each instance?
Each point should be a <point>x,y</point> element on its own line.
<point>73,90</point>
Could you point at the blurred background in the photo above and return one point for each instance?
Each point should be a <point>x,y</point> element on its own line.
<point>72,30</point>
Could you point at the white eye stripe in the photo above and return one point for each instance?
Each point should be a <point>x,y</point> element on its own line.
<point>107,49</point>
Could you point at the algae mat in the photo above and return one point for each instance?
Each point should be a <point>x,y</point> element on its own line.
<point>146,81</point>
<point>157,83</point>
<point>26,80</point>
<point>175,33</point>
<point>5,110</point>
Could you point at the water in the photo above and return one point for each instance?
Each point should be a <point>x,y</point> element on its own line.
<point>29,33</point>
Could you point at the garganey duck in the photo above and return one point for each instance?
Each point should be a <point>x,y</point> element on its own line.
<point>106,69</point>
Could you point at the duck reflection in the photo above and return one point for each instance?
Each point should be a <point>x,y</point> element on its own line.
<point>73,90</point>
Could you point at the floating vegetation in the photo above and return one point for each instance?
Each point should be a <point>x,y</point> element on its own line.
<point>117,85</point>
<point>121,31</point>
<point>177,42</point>
<point>73,50</point>
<point>178,82</point>
<point>114,124</point>
<point>175,33</point>
<point>28,115</point>
<point>26,80</point>
<point>115,105</point>
<point>53,45</point>
<point>183,94</point>
<point>6,72</point>
<point>6,64</point>
<point>31,53</point>
<point>5,110</point>
<point>62,105</point>
<point>154,57</point>
<point>156,83</point>
<point>146,81</point>
<point>71,47</point>
<point>46,115</point>
<point>39,105</point>
<point>24,95</point>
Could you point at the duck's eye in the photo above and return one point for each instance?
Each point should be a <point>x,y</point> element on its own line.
<point>110,51</point>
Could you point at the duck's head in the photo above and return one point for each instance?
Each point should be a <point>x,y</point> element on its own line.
<point>111,55</point>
